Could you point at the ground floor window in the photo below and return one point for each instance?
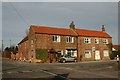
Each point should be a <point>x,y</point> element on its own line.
<point>60,53</point>
<point>87,54</point>
<point>71,52</point>
<point>32,51</point>
<point>106,53</point>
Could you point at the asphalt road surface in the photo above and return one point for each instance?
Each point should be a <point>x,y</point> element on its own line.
<point>97,70</point>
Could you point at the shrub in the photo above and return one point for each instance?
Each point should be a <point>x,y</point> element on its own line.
<point>42,54</point>
<point>114,54</point>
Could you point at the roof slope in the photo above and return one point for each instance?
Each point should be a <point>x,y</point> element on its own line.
<point>66,32</point>
<point>51,30</point>
<point>92,33</point>
<point>23,40</point>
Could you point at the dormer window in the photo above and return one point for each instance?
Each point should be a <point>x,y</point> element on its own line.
<point>56,38</point>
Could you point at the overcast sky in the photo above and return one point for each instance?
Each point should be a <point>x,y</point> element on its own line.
<point>18,16</point>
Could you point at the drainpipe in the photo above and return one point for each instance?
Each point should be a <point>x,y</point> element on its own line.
<point>77,48</point>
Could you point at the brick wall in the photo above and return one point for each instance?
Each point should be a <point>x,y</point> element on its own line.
<point>44,41</point>
<point>82,47</point>
<point>23,50</point>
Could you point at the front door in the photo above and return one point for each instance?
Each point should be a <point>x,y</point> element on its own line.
<point>97,55</point>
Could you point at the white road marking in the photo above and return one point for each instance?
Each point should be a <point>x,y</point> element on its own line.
<point>55,74</point>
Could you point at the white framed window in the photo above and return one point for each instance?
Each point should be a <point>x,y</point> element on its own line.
<point>93,49</point>
<point>32,51</point>
<point>60,52</point>
<point>96,41</point>
<point>106,53</point>
<point>87,54</point>
<point>56,38</point>
<point>71,52</point>
<point>105,41</point>
<point>32,42</point>
<point>69,39</point>
<point>87,40</point>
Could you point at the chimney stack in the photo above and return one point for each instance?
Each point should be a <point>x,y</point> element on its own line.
<point>103,28</point>
<point>72,26</point>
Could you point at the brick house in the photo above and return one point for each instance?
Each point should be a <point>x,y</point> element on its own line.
<point>116,48</point>
<point>23,49</point>
<point>83,44</point>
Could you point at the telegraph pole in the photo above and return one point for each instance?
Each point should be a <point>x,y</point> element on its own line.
<point>10,43</point>
<point>2,47</point>
<point>10,46</point>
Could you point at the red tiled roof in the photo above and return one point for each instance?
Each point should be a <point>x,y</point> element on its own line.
<point>69,32</point>
<point>91,33</point>
<point>51,30</point>
<point>23,40</point>
<point>116,47</point>
<point>63,31</point>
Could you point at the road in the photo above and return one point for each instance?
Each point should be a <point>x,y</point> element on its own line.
<point>63,71</point>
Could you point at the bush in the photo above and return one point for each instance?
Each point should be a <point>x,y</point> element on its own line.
<point>114,54</point>
<point>42,54</point>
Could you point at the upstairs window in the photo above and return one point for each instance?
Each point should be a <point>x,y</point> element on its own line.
<point>56,38</point>
<point>32,42</point>
<point>69,39</point>
<point>87,40</point>
<point>96,41</point>
<point>105,41</point>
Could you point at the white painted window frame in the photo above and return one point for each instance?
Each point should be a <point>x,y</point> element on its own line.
<point>69,39</point>
<point>72,52</point>
<point>32,41</point>
<point>56,40</point>
<point>105,53</point>
<point>96,40</point>
<point>89,54</point>
<point>105,41</point>
<point>87,39</point>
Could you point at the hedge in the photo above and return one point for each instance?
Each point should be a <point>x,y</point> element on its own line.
<point>114,54</point>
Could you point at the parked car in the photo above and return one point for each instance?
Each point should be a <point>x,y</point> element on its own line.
<point>64,59</point>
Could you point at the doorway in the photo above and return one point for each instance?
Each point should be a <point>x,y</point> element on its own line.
<point>97,55</point>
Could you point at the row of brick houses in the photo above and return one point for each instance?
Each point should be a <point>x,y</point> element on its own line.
<point>80,43</point>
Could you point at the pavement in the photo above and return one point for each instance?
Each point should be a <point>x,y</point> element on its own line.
<point>62,71</point>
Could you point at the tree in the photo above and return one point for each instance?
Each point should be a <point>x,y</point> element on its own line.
<point>9,50</point>
<point>14,49</point>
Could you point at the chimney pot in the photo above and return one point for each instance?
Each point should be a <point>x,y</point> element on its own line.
<point>72,26</point>
<point>103,28</point>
